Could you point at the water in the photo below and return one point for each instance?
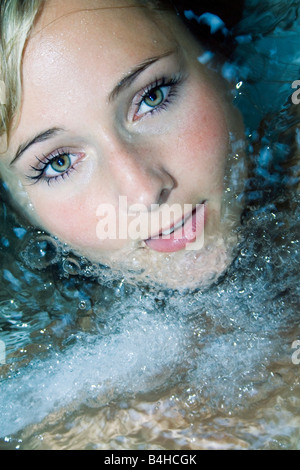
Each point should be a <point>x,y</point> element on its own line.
<point>129,367</point>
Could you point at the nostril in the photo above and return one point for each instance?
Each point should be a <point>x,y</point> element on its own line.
<point>168,183</point>
<point>164,195</point>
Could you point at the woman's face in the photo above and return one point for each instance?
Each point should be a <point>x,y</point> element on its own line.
<point>117,111</point>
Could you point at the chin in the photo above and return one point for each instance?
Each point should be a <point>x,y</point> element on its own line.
<point>181,271</point>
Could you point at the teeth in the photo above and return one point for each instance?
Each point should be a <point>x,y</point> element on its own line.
<point>167,232</point>
<point>171,230</point>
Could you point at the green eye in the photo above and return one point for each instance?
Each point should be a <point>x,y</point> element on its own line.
<point>154,98</point>
<point>61,163</point>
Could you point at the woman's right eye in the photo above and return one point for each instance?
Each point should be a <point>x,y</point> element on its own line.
<point>56,166</point>
<point>59,164</point>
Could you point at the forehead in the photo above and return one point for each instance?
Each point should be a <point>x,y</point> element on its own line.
<point>90,43</point>
<point>78,47</point>
<point>104,29</point>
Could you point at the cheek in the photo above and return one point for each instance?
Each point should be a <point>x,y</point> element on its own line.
<point>203,141</point>
<point>71,220</point>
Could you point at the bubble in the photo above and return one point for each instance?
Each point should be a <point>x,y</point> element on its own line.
<point>82,305</point>
<point>65,250</point>
<point>40,252</point>
<point>87,272</point>
<point>71,266</point>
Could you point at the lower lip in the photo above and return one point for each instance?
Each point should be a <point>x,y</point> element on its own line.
<point>183,236</point>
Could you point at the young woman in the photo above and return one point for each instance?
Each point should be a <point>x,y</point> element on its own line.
<point>119,143</point>
<point>116,139</point>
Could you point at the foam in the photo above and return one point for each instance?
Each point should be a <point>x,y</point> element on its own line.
<point>220,341</point>
<point>141,355</point>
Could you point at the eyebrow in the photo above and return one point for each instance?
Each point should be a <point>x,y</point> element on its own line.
<point>41,137</point>
<point>123,84</point>
<point>134,73</point>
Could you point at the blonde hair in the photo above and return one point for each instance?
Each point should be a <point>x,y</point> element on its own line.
<point>16,20</point>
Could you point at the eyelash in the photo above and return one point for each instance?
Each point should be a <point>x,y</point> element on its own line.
<point>47,160</point>
<point>156,85</point>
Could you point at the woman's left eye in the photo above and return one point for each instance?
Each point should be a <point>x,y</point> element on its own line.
<point>155,97</point>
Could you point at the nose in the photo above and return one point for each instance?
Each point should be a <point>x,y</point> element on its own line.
<point>141,177</point>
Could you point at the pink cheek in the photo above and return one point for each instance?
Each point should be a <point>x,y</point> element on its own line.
<point>72,222</point>
<point>206,126</point>
<point>205,142</point>
<point>75,223</point>
<point>205,139</point>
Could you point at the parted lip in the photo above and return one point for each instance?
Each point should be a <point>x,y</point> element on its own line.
<point>180,223</point>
